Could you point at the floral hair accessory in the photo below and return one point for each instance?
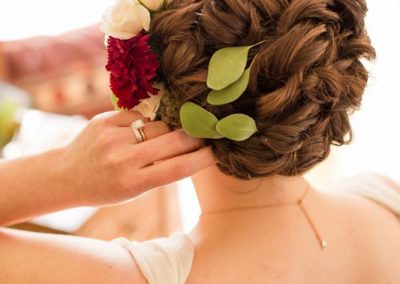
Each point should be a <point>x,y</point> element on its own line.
<point>133,66</point>
<point>132,63</point>
<point>125,20</point>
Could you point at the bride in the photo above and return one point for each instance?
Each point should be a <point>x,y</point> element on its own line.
<point>267,85</point>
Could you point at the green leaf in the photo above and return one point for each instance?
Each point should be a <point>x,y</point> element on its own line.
<point>114,100</point>
<point>198,122</point>
<point>227,66</point>
<point>8,124</point>
<point>230,93</point>
<point>237,127</point>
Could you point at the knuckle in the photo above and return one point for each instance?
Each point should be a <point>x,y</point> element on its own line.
<point>136,114</point>
<point>163,126</point>
<point>178,140</point>
<point>107,115</point>
<point>139,182</point>
<point>124,183</point>
<point>109,163</point>
<point>97,122</point>
<point>181,140</point>
<point>176,146</point>
<point>105,118</point>
<point>135,156</point>
<point>105,139</point>
<point>111,160</point>
<point>127,183</point>
<point>120,189</point>
<point>181,134</point>
<point>102,143</point>
<point>179,169</point>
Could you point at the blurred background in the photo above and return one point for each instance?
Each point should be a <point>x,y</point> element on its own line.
<point>52,80</point>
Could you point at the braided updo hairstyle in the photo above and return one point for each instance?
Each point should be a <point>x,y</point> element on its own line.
<point>306,79</point>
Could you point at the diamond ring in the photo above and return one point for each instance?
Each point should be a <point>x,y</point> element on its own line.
<point>137,130</point>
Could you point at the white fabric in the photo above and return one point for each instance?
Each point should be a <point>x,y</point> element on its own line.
<point>169,260</point>
<point>163,260</point>
<point>375,187</point>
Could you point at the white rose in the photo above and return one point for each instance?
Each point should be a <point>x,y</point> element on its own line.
<point>148,107</point>
<point>126,19</point>
<point>154,5</point>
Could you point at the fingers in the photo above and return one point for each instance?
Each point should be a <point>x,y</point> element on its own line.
<point>166,146</point>
<point>151,131</point>
<point>155,129</point>
<point>121,118</point>
<point>174,169</point>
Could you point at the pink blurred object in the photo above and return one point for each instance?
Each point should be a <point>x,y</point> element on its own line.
<point>63,74</point>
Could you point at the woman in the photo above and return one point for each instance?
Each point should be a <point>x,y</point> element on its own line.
<point>261,221</point>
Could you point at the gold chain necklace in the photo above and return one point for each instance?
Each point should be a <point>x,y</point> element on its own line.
<point>299,202</point>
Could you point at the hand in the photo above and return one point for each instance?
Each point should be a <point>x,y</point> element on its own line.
<point>105,164</point>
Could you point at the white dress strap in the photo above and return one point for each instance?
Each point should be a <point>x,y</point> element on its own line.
<point>162,260</point>
<point>378,188</point>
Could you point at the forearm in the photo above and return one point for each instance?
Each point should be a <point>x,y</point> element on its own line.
<point>102,165</point>
<point>33,186</point>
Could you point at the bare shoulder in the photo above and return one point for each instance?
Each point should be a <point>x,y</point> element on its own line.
<point>366,209</point>
<point>365,213</point>
<point>370,227</point>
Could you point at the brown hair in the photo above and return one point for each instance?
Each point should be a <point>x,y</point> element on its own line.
<point>305,81</point>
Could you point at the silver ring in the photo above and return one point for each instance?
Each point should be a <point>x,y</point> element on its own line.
<point>137,130</point>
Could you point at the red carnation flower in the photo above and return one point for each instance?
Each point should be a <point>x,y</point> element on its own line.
<point>132,66</point>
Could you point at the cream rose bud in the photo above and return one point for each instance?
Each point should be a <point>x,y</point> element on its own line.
<point>126,19</point>
<point>153,5</point>
<point>149,107</point>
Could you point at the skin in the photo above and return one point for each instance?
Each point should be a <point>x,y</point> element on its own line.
<point>103,165</point>
<point>275,244</point>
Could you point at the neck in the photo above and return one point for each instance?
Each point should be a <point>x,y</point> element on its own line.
<point>218,193</point>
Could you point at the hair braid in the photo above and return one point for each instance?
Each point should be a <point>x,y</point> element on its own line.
<point>305,80</point>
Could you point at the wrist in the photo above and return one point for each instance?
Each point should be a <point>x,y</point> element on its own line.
<point>61,179</point>
<point>33,186</point>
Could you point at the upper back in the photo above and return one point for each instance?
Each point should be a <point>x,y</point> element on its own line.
<point>363,244</point>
